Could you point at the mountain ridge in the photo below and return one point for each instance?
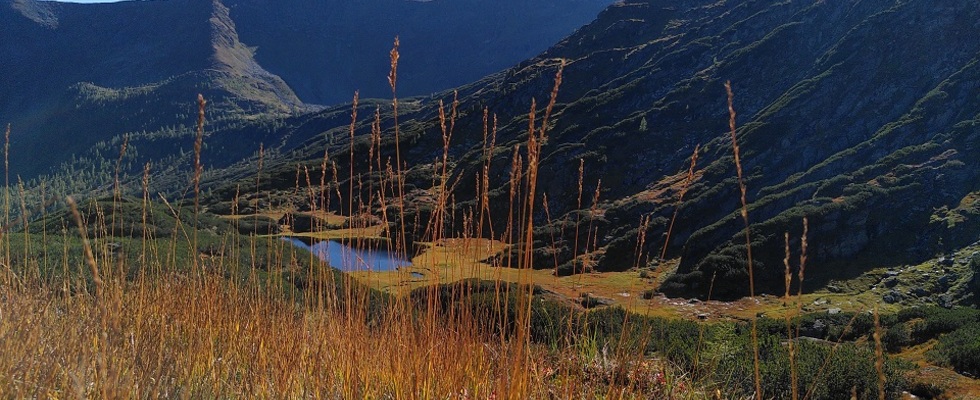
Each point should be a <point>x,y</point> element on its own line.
<point>179,48</point>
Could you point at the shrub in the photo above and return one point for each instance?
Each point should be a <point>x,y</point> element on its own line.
<point>926,390</point>
<point>960,349</point>
<point>898,336</point>
<point>256,225</point>
<point>937,320</point>
<point>849,366</point>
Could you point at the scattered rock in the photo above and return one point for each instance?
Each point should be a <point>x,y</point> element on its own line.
<point>114,247</point>
<point>945,261</point>
<point>835,289</point>
<point>891,282</point>
<point>819,302</point>
<point>919,292</point>
<point>703,316</point>
<point>892,297</point>
<point>590,301</point>
<point>833,311</point>
<point>818,329</point>
<point>891,273</point>
<point>693,301</point>
<point>945,301</point>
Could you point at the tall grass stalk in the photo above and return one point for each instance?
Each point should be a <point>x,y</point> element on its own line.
<point>799,302</point>
<point>748,238</point>
<point>790,344</point>
<point>87,248</point>
<point>198,169</point>
<point>680,200</point>
<point>879,356</point>
<point>6,197</point>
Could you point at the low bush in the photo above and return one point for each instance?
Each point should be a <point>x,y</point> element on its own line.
<point>258,225</point>
<point>936,320</point>
<point>960,349</point>
<point>823,370</point>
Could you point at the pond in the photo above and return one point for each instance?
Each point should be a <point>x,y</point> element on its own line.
<point>350,259</point>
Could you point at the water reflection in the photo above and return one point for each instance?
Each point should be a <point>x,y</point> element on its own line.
<point>349,259</point>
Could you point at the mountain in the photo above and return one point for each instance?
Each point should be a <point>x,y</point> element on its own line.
<point>862,116</point>
<point>326,50</point>
<point>81,74</point>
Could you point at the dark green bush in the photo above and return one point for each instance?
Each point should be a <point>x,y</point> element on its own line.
<point>936,320</point>
<point>926,390</point>
<point>960,349</point>
<point>258,225</point>
<point>849,366</point>
<point>897,336</point>
<point>499,305</point>
<point>305,222</point>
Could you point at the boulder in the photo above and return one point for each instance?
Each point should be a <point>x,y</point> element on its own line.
<point>945,301</point>
<point>589,300</point>
<point>892,297</point>
<point>817,329</point>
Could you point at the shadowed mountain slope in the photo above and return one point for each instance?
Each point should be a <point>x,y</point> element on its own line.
<point>862,116</point>
<point>326,50</point>
<point>80,74</point>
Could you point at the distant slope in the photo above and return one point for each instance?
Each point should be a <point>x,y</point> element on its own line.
<point>77,74</point>
<point>327,49</point>
<point>81,74</point>
<point>863,116</point>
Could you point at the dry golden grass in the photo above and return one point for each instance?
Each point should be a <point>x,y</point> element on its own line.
<point>204,336</point>
<point>186,338</point>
